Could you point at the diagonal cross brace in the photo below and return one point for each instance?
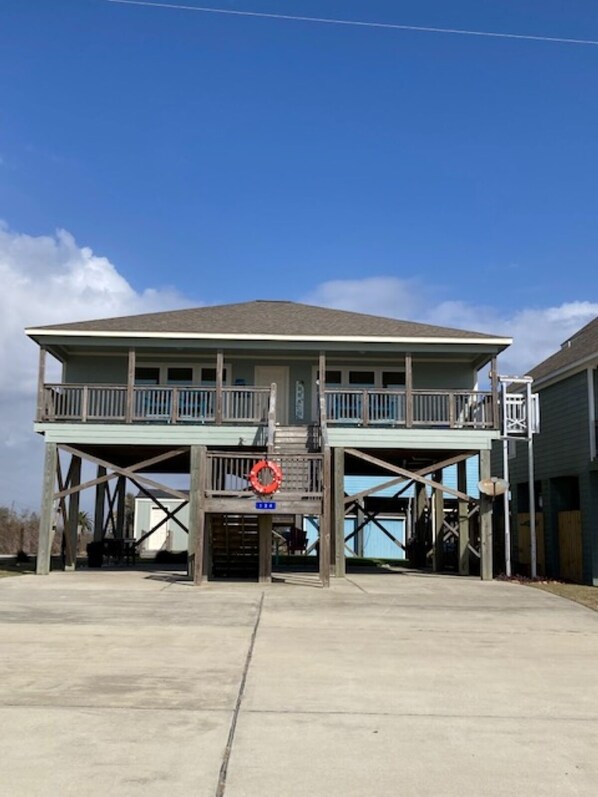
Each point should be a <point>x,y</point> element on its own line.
<point>411,475</point>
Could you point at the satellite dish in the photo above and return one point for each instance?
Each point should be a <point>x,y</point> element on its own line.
<point>493,486</point>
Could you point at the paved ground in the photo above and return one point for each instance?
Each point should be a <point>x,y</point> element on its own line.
<point>129,683</point>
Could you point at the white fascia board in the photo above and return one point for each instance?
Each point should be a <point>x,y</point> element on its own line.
<point>258,337</point>
<point>566,371</point>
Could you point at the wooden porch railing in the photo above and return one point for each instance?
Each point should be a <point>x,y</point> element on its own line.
<point>453,409</point>
<point>228,474</point>
<point>157,404</point>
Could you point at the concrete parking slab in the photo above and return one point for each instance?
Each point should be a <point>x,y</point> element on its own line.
<point>129,682</point>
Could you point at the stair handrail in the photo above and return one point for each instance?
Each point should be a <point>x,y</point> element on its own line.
<point>271,420</point>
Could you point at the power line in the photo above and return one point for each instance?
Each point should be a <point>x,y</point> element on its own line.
<point>356,23</point>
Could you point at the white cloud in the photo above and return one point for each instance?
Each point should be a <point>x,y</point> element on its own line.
<point>45,280</point>
<point>536,331</point>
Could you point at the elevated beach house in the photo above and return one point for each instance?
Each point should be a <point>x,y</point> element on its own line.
<point>267,405</point>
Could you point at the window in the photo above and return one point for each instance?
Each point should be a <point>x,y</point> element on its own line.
<point>147,376</point>
<point>334,378</point>
<point>179,376</point>
<point>393,379</point>
<point>362,378</point>
<point>207,376</point>
<point>164,374</point>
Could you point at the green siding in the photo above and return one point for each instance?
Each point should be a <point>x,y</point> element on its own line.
<point>455,439</point>
<point>96,370</point>
<point>151,434</point>
<point>443,376</point>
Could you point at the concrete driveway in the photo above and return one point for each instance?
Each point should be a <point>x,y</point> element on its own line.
<point>136,683</point>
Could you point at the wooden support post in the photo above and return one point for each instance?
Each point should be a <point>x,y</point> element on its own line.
<point>338,503</point>
<point>438,527</point>
<point>486,571</point>
<point>495,386</point>
<point>265,548</point>
<point>71,529</point>
<point>100,507</point>
<point>463,520</point>
<point>322,371</point>
<point>197,515</point>
<point>420,513</point>
<point>46,518</point>
<point>324,548</point>
<point>359,549</point>
<point>41,378</point>
<point>219,382</point>
<point>121,491</point>
<point>130,408</point>
<point>408,391</point>
<point>331,507</point>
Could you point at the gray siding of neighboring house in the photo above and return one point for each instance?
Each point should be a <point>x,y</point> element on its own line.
<point>561,450</point>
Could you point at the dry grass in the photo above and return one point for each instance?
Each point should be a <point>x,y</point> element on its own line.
<point>587,596</point>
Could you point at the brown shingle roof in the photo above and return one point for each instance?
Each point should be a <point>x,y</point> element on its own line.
<point>267,318</point>
<point>580,346</point>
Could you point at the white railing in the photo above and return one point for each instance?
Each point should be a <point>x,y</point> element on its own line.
<point>455,409</point>
<point>158,404</point>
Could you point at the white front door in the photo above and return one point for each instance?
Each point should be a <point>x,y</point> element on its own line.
<point>157,540</point>
<point>265,375</point>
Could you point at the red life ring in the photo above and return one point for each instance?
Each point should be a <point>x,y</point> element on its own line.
<point>258,486</point>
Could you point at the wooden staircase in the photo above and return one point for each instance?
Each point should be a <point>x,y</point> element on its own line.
<point>290,442</point>
<point>234,546</point>
<point>295,440</point>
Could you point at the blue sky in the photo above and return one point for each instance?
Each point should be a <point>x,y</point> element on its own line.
<point>202,158</point>
<point>192,148</point>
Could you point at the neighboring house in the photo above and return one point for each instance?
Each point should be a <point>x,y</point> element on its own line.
<point>323,394</point>
<point>565,464</point>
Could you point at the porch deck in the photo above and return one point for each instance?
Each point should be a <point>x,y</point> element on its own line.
<point>401,408</point>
